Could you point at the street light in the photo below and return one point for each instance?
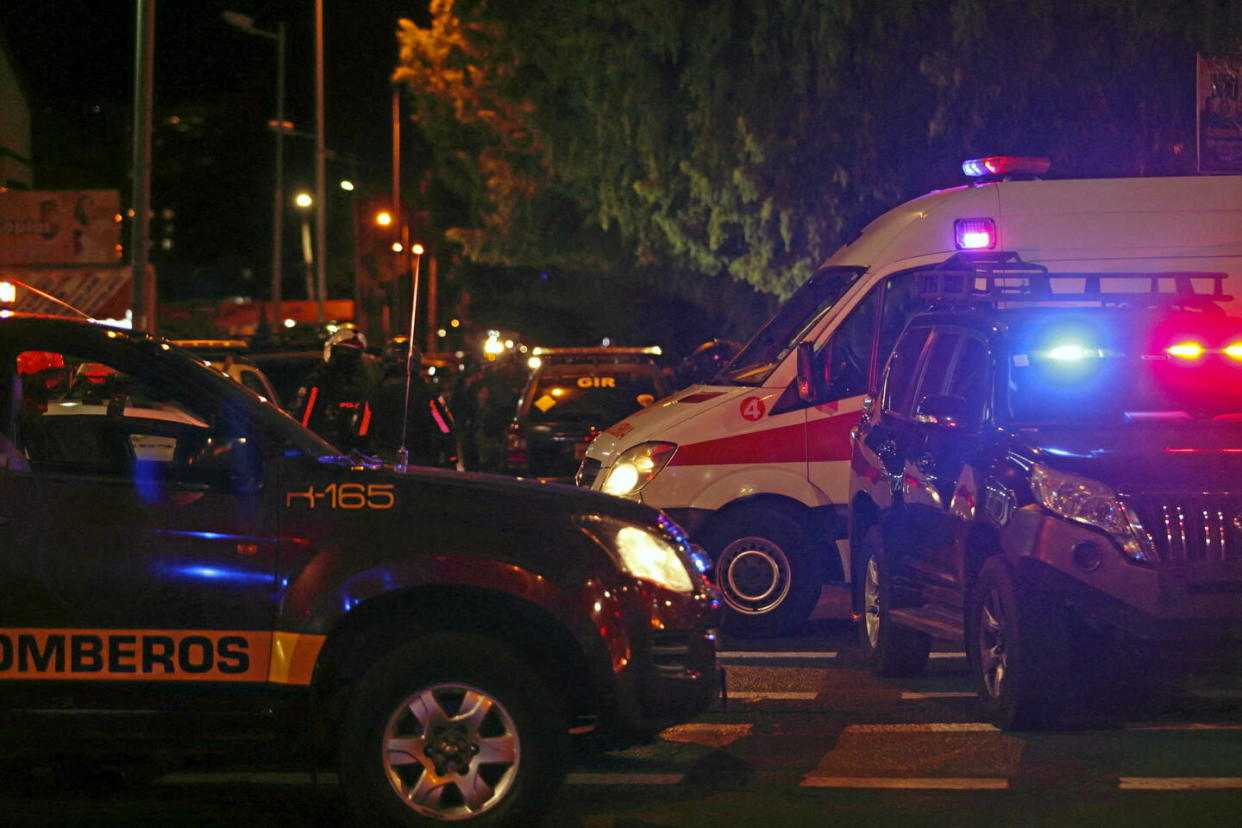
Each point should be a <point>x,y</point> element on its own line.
<point>304,202</point>
<point>279,126</point>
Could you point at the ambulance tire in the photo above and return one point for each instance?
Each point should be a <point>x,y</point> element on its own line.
<point>416,695</point>
<point>891,649</point>
<point>766,573</point>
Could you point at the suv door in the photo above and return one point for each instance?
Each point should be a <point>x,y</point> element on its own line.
<point>154,556</point>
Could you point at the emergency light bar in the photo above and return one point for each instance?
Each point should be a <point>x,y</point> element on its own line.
<point>1001,165</point>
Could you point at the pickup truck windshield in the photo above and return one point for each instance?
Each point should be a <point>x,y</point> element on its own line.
<point>1119,369</point>
<point>789,326</point>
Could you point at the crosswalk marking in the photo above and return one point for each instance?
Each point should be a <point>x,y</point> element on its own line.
<point>983,783</point>
<point>761,654</point>
<point>1178,783</point>
<point>776,695</point>
<point>625,778</point>
<point>936,727</point>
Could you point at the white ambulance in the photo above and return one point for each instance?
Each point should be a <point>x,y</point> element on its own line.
<point>754,465</point>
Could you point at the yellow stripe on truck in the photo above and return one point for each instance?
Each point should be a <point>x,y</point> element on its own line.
<point>158,655</point>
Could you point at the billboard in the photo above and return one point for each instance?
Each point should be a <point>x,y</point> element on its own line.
<point>1219,99</point>
<point>60,227</point>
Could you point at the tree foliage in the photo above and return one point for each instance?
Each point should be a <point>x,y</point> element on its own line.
<point>743,140</point>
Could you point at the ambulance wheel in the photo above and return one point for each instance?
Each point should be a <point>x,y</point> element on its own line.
<point>451,728</point>
<point>892,650</point>
<point>1018,651</point>
<point>766,574</point>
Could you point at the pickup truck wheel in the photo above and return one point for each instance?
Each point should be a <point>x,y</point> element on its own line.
<point>451,728</point>
<point>766,574</point>
<point>892,650</point>
<point>1018,648</point>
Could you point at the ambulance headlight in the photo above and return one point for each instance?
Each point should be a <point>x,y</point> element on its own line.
<point>639,551</point>
<point>1088,501</point>
<point>636,467</point>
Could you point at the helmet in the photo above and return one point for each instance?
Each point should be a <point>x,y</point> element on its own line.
<point>344,341</point>
<point>398,350</point>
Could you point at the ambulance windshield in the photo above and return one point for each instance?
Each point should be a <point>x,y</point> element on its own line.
<point>789,326</point>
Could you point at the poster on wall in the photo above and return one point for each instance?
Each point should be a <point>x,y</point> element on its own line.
<point>53,227</point>
<point>1219,103</point>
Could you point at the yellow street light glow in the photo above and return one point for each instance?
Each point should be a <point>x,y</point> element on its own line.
<point>289,323</point>
<point>493,346</point>
<point>418,249</point>
<point>396,247</point>
<point>303,200</point>
<point>1186,350</point>
<point>8,292</point>
<point>383,218</point>
<point>534,362</point>
<point>455,323</point>
<point>347,185</point>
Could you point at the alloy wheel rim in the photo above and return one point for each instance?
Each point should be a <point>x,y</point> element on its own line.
<point>451,751</point>
<point>993,656</point>
<point>871,603</point>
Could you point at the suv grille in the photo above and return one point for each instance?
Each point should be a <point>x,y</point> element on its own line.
<point>1188,528</point>
<point>587,473</point>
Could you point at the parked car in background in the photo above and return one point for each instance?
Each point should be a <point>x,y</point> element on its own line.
<point>233,358</point>
<point>572,395</point>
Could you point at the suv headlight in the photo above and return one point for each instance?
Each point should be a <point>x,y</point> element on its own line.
<point>1091,502</point>
<point>639,551</point>
<point>636,467</point>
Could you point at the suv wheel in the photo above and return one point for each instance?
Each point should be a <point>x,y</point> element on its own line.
<point>1018,650</point>
<point>451,728</point>
<point>891,649</point>
<point>766,574</point>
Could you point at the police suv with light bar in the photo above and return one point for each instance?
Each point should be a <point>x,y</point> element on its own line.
<point>755,463</point>
<point>183,561</point>
<point>1051,472</point>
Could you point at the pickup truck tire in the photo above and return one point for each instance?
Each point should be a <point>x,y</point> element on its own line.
<point>891,649</point>
<point>766,573</point>
<point>451,728</point>
<point>1018,646</point>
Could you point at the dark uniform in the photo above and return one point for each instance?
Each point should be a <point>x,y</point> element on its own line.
<point>428,434</point>
<point>330,399</point>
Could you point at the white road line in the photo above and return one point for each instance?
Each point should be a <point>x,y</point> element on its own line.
<point>968,783</point>
<point>941,727</point>
<point>624,778</point>
<point>248,778</point>
<point>946,655</point>
<point>782,695</point>
<point>953,694</point>
<point>764,654</point>
<point>1178,783</point>
<point>1184,726</point>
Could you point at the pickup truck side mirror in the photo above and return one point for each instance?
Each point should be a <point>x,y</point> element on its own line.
<point>948,411</point>
<point>813,375</point>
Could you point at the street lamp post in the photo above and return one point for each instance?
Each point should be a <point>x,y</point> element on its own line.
<point>304,202</point>
<point>280,126</point>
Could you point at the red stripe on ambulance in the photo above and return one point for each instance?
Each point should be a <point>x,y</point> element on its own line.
<point>829,440</point>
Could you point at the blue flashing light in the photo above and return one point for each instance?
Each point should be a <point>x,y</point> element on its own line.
<point>1068,352</point>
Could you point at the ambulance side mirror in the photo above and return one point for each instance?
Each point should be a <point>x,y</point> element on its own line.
<point>813,375</point>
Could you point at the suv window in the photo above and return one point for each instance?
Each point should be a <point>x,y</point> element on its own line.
<point>76,413</point>
<point>899,387</point>
<point>969,379</point>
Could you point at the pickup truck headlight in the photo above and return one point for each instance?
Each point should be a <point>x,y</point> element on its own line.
<point>639,551</point>
<point>1091,502</point>
<point>636,467</point>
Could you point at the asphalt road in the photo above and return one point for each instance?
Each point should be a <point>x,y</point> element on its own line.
<point>809,737</point>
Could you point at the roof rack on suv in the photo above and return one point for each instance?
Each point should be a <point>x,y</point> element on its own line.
<point>994,277</point>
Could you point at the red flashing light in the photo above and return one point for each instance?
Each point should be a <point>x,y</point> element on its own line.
<point>997,165</point>
<point>974,233</point>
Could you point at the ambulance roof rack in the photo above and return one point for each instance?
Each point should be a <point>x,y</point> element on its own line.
<point>993,277</point>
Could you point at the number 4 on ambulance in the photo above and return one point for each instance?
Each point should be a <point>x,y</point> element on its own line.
<point>755,463</point>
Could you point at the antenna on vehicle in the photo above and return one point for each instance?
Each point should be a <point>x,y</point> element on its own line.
<point>49,297</point>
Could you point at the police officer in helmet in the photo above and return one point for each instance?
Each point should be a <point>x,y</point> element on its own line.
<point>332,395</point>
<point>428,428</point>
